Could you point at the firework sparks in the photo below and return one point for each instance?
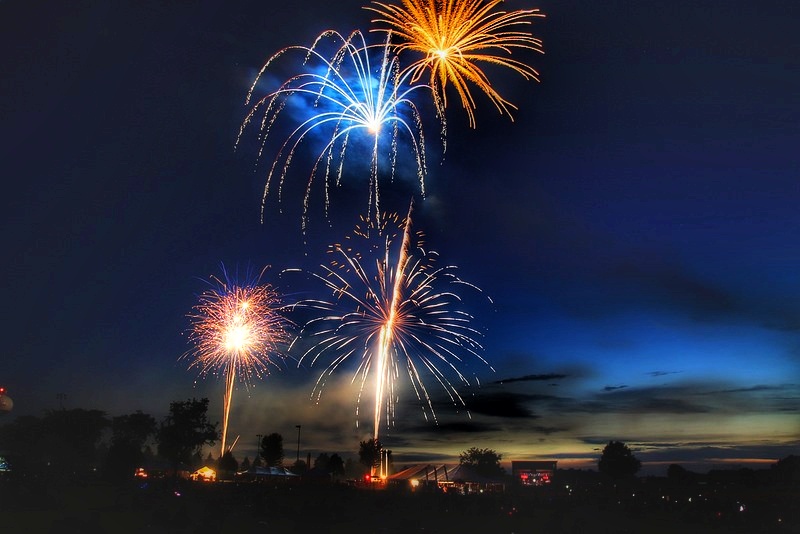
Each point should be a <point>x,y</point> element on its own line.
<point>237,331</point>
<point>400,317</point>
<point>353,96</point>
<point>454,36</point>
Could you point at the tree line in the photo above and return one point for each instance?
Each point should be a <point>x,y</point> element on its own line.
<point>70,442</point>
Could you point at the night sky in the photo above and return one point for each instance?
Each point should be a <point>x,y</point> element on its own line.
<point>636,226</point>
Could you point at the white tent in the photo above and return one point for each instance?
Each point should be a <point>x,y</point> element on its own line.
<point>460,478</point>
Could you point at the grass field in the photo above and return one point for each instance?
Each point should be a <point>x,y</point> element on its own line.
<point>181,506</point>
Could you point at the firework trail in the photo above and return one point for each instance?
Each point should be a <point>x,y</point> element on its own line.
<point>355,94</point>
<point>237,331</point>
<point>399,314</point>
<point>454,37</point>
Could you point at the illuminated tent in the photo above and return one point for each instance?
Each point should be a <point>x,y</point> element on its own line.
<point>421,473</point>
<point>205,474</point>
<point>271,472</point>
<point>457,478</point>
<point>267,473</point>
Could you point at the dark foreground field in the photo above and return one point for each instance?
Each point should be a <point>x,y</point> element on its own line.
<point>167,506</point>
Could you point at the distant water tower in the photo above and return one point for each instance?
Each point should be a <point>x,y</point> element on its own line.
<point>5,402</point>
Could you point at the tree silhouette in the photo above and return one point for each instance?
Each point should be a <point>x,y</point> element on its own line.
<point>76,432</point>
<point>272,450</point>
<point>787,470</point>
<point>184,431</point>
<point>299,467</point>
<point>676,472</point>
<point>63,441</point>
<point>336,465</point>
<point>245,465</point>
<point>369,453</point>
<point>618,462</point>
<point>129,434</point>
<point>23,440</point>
<point>227,465</point>
<point>485,462</point>
<point>352,469</point>
<point>321,461</point>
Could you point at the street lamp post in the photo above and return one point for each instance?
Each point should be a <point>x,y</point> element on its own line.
<point>298,442</point>
<point>258,445</point>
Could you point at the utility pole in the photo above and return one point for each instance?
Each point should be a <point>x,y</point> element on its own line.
<point>298,442</point>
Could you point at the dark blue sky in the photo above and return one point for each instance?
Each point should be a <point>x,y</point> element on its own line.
<point>636,225</point>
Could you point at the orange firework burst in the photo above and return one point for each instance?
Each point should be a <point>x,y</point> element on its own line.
<point>237,331</point>
<point>454,36</point>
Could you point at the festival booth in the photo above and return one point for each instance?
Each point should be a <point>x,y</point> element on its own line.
<point>204,474</point>
<point>454,479</point>
<point>267,474</point>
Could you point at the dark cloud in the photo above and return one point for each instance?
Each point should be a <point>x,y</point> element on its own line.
<point>782,316</point>
<point>689,398</point>
<point>654,283</point>
<point>700,455</point>
<point>678,406</point>
<point>643,400</point>
<point>500,405</point>
<point>757,388</point>
<point>539,429</point>
<point>670,286</point>
<point>453,427</point>
<point>411,457</point>
<point>760,397</point>
<point>531,378</point>
<point>621,282</point>
<point>707,452</point>
<point>550,414</point>
<point>572,456</point>
<point>594,440</point>
<point>678,287</point>
<point>663,373</point>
